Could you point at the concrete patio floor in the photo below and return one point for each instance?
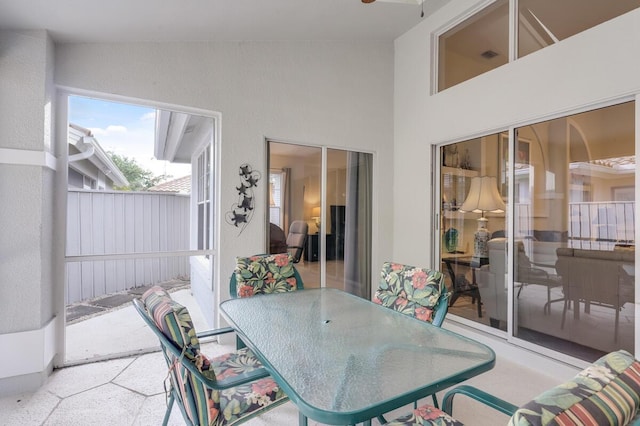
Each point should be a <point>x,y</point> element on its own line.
<point>129,390</point>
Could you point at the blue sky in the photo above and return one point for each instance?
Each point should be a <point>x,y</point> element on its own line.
<point>124,129</point>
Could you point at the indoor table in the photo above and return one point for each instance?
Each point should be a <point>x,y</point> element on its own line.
<point>344,360</point>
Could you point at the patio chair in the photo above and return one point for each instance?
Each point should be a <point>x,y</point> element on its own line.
<point>605,393</point>
<point>417,292</point>
<point>224,390</point>
<point>263,274</point>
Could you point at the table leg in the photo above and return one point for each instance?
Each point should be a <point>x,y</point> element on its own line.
<point>302,419</point>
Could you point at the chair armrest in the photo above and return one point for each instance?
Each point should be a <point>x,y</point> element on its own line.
<point>480,396</point>
<point>241,379</point>
<point>225,383</point>
<point>216,332</point>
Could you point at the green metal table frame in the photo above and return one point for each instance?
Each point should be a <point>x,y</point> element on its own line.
<point>344,360</point>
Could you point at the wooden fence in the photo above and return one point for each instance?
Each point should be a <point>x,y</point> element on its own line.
<point>117,223</point>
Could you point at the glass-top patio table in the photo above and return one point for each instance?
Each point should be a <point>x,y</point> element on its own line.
<point>345,360</point>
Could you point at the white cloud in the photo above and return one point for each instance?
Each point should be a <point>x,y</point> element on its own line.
<point>148,116</point>
<point>97,131</point>
<point>112,128</point>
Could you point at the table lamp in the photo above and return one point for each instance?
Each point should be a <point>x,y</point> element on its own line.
<point>483,197</point>
<point>315,215</point>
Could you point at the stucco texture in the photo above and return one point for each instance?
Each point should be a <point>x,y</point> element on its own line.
<point>338,94</point>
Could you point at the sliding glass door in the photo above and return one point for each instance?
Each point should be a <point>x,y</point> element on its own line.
<point>559,276</point>
<point>330,191</point>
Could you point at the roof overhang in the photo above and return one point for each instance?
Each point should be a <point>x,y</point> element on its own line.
<point>91,151</point>
<point>180,135</point>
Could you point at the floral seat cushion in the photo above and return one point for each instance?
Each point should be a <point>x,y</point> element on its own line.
<point>262,274</point>
<point>425,415</point>
<point>605,393</point>
<point>410,290</point>
<point>213,407</point>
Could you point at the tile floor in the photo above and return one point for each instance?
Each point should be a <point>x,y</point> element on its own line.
<point>129,390</point>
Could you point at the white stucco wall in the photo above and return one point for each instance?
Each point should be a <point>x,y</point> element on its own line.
<point>25,124</point>
<point>595,66</point>
<point>27,177</point>
<point>338,94</point>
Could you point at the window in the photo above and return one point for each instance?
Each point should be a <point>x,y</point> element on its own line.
<point>204,199</point>
<point>481,42</point>
<point>275,198</point>
<point>542,23</point>
<point>475,46</point>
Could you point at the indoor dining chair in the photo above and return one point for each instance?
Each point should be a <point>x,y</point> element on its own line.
<point>418,292</point>
<point>222,390</point>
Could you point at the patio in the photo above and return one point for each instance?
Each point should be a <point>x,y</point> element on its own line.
<point>129,390</point>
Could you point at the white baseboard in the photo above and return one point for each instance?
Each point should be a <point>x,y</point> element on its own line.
<point>28,352</point>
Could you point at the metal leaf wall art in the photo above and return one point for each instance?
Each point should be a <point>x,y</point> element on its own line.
<point>241,212</point>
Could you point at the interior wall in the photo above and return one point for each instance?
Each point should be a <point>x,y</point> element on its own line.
<point>320,93</point>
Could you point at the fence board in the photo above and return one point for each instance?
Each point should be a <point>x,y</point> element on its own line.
<point>109,222</point>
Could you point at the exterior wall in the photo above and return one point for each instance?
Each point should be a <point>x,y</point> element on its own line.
<point>27,178</point>
<point>595,66</point>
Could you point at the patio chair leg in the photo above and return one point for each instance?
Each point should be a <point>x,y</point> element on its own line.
<point>168,413</point>
<point>302,419</point>
<point>435,401</point>
<point>381,419</point>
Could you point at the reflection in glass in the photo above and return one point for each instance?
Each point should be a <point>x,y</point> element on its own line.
<point>473,190</point>
<point>574,232</point>
<point>542,23</point>
<point>339,230</point>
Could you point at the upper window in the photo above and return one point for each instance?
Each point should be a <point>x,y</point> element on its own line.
<point>544,22</point>
<point>475,46</point>
<point>481,42</point>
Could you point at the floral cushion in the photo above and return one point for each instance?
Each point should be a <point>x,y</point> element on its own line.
<point>425,415</point>
<point>172,319</point>
<point>273,273</point>
<point>410,290</point>
<point>213,407</point>
<point>605,393</point>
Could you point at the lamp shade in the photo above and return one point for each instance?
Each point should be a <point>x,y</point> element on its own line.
<point>315,212</point>
<point>483,196</point>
